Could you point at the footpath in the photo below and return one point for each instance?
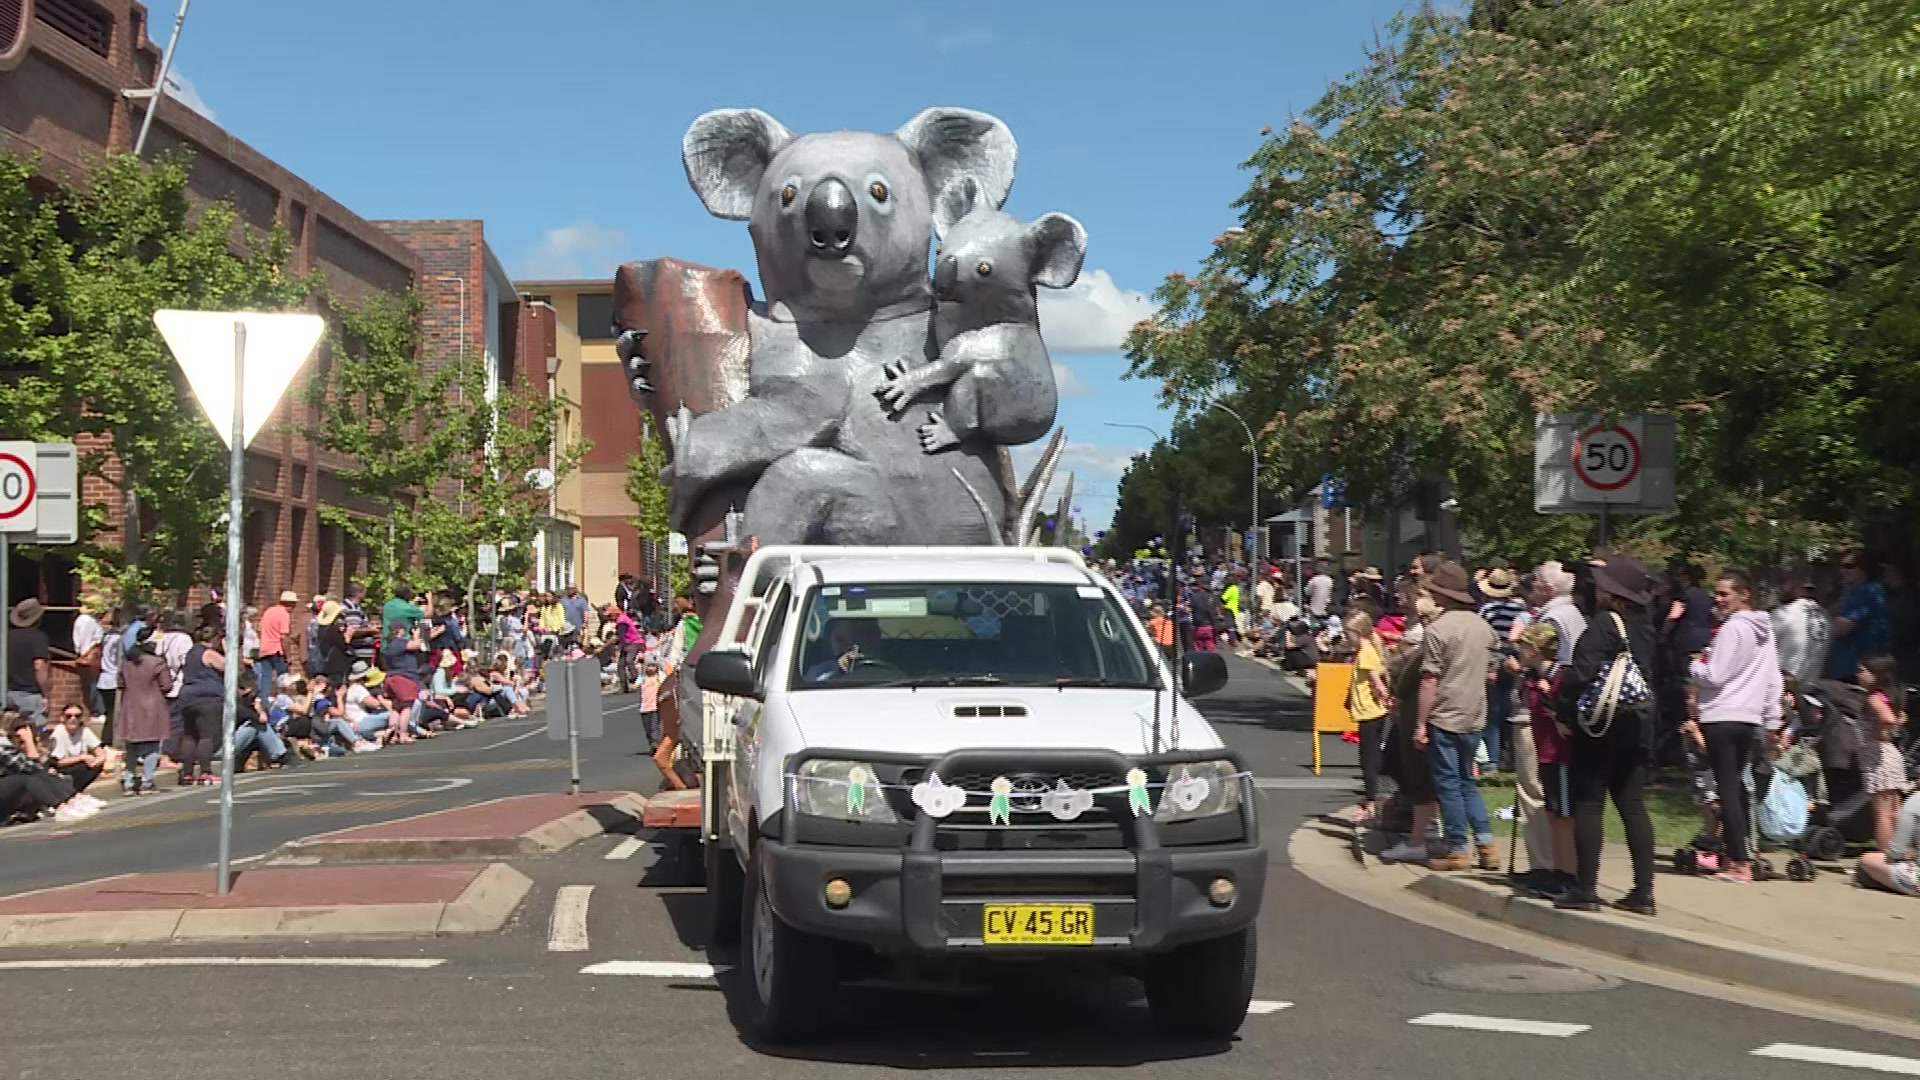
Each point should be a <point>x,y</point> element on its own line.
<point>435,873</point>
<point>1823,941</point>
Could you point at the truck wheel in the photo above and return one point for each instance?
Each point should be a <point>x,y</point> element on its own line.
<point>724,881</point>
<point>793,984</point>
<point>1200,991</point>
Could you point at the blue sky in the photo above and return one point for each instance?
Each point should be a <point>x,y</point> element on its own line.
<point>559,124</point>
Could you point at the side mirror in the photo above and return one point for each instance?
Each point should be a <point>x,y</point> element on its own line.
<point>1200,673</point>
<point>727,673</point>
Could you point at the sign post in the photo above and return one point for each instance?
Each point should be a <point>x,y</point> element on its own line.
<point>1584,464</point>
<point>574,708</point>
<point>19,513</point>
<point>239,407</point>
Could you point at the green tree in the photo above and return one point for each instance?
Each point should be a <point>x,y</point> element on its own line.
<point>651,501</point>
<point>87,268</point>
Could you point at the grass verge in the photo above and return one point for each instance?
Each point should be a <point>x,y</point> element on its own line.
<point>1669,804</point>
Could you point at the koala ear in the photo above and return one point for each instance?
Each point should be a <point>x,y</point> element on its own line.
<point>956,201</point>
<point>1059,249</point>
<point>952,143</point>
<point>726,153</point>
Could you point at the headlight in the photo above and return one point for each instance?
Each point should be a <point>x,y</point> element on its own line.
<point>841,790</point>
<point>1199,790</point>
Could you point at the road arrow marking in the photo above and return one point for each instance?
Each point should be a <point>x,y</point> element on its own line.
<point>625,849</point>
<point>658,969</point>
<point>568,930</point>
<point>1500,1024</point>
<point>1850,1059</point>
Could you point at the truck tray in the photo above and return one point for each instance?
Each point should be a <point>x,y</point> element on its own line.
<point>672,810</point>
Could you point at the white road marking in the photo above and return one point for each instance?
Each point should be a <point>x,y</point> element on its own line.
<point>426,787</point>
<point>625,849</point>
<point>658,969</point>
<point>1502,1024</point>
<point>1849,1059</point>
<point>1262,1008</point>
<point>404,963</point>
<point>568,930</point>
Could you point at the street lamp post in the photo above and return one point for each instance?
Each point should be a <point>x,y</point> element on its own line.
<point>1253,519</point>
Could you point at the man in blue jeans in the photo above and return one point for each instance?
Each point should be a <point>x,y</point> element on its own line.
<point>1459,652</point>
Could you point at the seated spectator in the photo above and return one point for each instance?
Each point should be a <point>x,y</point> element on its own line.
<point>328,716</point>
<point>29,789</point>
<point>1897,868</point>
<point>252,730</point>
<point>287,714</point>
<point>489,694</point>
<point>365,711</point>
<point>75,750</point>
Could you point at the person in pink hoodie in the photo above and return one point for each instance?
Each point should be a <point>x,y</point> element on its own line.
<point>1737,684</point>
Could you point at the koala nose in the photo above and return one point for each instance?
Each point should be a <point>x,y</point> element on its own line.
<point>832,218</point>
<point>946,272</point>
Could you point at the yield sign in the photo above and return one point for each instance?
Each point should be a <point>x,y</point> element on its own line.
<point>277,344</point>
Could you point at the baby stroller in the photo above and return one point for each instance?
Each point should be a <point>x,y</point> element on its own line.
<point>1832,725</point>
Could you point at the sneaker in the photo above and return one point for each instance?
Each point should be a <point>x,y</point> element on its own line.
<point>1636,904</point>
<point>90,801</point>
<point>1575,900</point>
<point>70,813</point>
<point>1404,853</point>
<point>365,747</point>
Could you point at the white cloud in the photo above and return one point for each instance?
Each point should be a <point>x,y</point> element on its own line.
<point>1092,316</point>
<point>579,250</point>
<point>973,37</point>
<point>1068,383</point>
<point>181,89</point>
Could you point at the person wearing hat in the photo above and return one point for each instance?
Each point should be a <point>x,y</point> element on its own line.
<point>1458,653</point>
<point>330,643</point>
<point>366,711</point>
<point>1502,609</point>
<point>1614,759</point>
<point>276,625</point>
<point>29,663</point>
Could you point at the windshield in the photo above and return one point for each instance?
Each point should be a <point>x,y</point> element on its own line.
<point>939,634</point>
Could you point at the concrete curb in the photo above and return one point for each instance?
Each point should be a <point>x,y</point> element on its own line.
<point>553,836</point>
<point>1884,993</point>
<point>484,906</point>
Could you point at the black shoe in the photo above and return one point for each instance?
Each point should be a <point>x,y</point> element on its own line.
<point>1576,900</point>
<point>1637,904</point>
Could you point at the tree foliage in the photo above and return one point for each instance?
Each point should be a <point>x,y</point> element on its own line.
<point>86,268</point>
<point>440,460</point>
<point>1701,207</point>
<point>651,499</point>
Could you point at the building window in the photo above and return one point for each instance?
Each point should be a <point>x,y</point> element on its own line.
<point>594,321</point>
<point>82,20</point>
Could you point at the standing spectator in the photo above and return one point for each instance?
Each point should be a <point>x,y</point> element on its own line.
<point>89,639</point>
<point>145,716</point>
<point>29,668</point>
<point>1688,628</point>
<point>576,608</point>
<point>311,657</point>
<point>1737,683</point>
<point>1501,609</point>
<point>400,610</point>
<point>1801,630</point>
<point>1369,701</point>
<point>363,638</point>
<point>1611,757</point>
<point>108,686</point>
<point>1550,873</point>
<point>1887,712</point>
<point>1370,585</point>
<point>202,701</point>
<point>628,597</point>
<point>1860,624</point>
<point>650,703</point>
<point>1903,616</point>
<point>276,628</point>
<point>1406,760</point>
<point>1458,652</point>
<point>331,655</point>
<point>1319,590</point>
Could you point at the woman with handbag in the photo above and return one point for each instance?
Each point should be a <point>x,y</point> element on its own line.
<point>1608,704</point>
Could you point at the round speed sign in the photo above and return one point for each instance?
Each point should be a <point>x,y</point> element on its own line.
<point>1606,458</point>
<point>17,485</point>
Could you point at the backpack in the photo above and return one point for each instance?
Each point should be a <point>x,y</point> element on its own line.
<point>1623,684</point>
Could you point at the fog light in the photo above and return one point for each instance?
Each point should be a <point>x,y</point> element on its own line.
<point>838,893</point>
<point>1221,892</point>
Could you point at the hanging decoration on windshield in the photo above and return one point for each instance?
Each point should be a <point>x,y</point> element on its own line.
<point>1187,791</point>
<point>1137,793</point>
<point>937,799</point>
<point>1066,803</point>
<point>1000,807</point>
<point>858,781</point>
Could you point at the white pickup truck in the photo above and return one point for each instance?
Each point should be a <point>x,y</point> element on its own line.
<point>927,758</point>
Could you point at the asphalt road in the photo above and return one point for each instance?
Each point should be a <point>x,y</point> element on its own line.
<point>179,828</point>
<point>1341,984</point>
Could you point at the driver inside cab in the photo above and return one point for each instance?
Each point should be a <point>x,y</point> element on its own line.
<point>850,641</point>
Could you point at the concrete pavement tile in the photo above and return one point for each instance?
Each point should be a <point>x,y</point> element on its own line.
<point>488,903</point>
<point>355,920</point>
<point>87,928</point>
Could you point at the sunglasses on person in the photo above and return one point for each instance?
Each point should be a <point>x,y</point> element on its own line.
<point>71,714</point>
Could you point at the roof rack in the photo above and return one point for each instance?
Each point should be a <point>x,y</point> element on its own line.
<point>766,564</point>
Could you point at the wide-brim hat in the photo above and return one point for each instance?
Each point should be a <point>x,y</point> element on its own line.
<point>1625,577</point>
<point>1450,582</point>
<point>329,612</point>
<point>288,596</point>
<point>26,613</point>
<point>1498,583</point>
<point>1371,573</point>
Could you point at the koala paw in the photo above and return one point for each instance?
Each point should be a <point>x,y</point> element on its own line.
<point>936,436</point>
<point>900,390</point>
<point>629,348</point>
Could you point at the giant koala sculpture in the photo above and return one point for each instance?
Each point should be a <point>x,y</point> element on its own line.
<point>841,225</point>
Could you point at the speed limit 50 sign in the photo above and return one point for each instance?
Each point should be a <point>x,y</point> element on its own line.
<point>1607,461</point>
<point>19,488</point>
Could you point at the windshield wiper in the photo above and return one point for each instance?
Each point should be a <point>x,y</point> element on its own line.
<point>942,680</point>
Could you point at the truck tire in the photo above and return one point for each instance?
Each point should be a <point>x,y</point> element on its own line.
<point>793,984</point>
<point>1201,991</point>
<point>724,880</point>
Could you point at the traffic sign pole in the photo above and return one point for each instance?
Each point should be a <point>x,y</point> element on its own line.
<point>236,459</point>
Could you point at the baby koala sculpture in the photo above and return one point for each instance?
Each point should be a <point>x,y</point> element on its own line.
<point>992,362</point>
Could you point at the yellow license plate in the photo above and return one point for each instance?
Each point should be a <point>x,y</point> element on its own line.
<point>1037,924</point>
